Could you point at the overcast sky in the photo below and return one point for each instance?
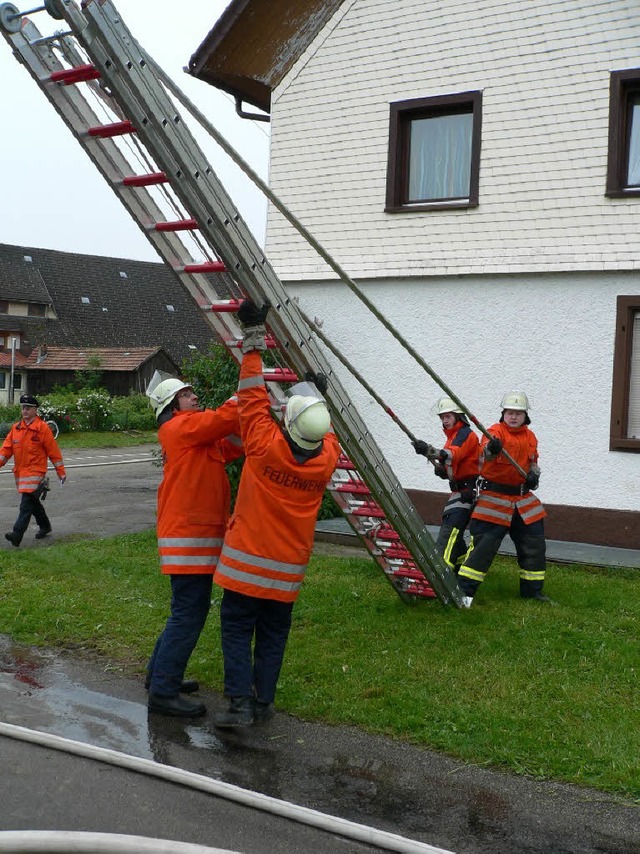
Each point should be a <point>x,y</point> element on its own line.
<point>52,195</point>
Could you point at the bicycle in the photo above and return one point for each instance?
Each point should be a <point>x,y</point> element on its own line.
<point>51,424</point>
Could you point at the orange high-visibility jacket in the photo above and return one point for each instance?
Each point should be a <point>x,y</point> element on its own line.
<point>270,536</point>
<point>194,496</point>
<point>31,446</point>
<point>463,450</point>
<point>521,444</point>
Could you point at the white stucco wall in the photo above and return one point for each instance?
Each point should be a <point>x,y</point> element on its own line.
<point>550,335</point>
<point>543,69</point>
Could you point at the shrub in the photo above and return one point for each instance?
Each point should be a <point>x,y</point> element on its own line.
<point>132,413</point>
<point>94,409</point>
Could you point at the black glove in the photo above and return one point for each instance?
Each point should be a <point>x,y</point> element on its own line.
<point>440,471</point>
<point>442,455</point>
<point>319,381</point>
<point>468,496</point>
<point>250,315</point>
<point>423,448</point>
<point>494,446</point>
<point>532,479</point>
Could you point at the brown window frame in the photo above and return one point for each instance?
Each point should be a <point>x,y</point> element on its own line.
<point>401,114</point>
<point>626,308</point>
<point>621,85</point>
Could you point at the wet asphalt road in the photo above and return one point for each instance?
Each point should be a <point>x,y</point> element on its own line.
<point>340,771</point>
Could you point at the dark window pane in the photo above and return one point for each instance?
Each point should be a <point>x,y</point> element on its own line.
<point>4,306</point>
<point>36,310</point>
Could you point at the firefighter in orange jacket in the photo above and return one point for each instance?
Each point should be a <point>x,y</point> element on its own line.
<point>458,463</point>
<point>193,510</point>
<point>270,536</point>
<point>31,444</point>
<point>507,504</point>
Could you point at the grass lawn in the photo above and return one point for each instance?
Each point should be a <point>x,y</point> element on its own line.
<point>111,439</point>
<point>550,692</point>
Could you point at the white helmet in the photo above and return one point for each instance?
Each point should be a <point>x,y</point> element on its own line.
<point>162,389</point>
<point>515,400</point>
<point>445,404</point>
<point>306,420</point>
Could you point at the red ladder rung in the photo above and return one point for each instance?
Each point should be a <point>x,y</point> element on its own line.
<point>397,552</point>
<point>115,129</point>
<point>386,534</point>
<point>78,74</point>
<point>268,340</point>
<point>228,305</point>
<point>407,572</point>
<point>177,225</point>
<point>145,180</point>
<point>206,267</point>
<point>355,487</point>
<point>345,464</point>
<point>281,375</point>
<point>368,510</point>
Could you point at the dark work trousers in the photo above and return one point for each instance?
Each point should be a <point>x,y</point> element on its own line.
<point>30,505</point>
<point>190,603</point>
<point>486,538</point>
<point>248,621</point>
<point>450,542</point>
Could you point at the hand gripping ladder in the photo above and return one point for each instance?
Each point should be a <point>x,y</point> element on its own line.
<point>149,157</point>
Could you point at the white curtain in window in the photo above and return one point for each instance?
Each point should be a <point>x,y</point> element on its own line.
<point>440,157</point>
<point>633,172</point>
<point>633,418</point>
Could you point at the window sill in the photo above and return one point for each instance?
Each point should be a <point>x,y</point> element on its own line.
<point>432,206</point>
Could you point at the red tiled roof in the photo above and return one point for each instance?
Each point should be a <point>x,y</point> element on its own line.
<point>70,359</point>
<point>5,360</point>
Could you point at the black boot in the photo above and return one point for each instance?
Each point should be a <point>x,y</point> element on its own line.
<point>187,686</point>
<point>14,539</point>
<point>176,707</point>
<point>43,532</point>
<point>239,713</point>
<point>263,712</point>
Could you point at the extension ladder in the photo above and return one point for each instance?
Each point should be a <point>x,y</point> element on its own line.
<point>103,86</point>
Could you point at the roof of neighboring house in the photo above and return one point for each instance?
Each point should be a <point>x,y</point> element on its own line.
<point>110,302</point>
<point>255,43</point>
<point>22,282</point>
<point>5,360</point>
<point>99,358</point>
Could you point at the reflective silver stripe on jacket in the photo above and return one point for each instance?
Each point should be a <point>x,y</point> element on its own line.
<point>58,464</point>
<point>455,502</point>
<point>188,560</point>
<point>30,480</point>
<point>247,577</point>
<point>250,382</point>
<point>234,439</point>
<point>189,542</point>
<point>264,562</point>
<point>3,458</point>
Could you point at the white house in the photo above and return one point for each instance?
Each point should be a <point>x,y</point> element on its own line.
<point>475,167</point>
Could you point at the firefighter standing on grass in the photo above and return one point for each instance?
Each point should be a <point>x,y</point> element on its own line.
<point>31,444</point>
<point>270,536</point>
<point>456,462</point>
<point>507,504</point>
<point>193,510</point>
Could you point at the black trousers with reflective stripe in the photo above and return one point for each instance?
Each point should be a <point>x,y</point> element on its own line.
<point>450,542</point>
<point>486,540</point>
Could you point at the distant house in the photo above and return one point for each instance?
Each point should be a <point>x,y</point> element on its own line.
<point>475,167</point>
<point>57,306</point>
<point>122,370</point>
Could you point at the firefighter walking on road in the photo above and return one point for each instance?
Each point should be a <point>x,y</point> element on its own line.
<point>270,536</point>
<point>31,444</point>
<point>193,510</point>
<point>458,463</point>
<point>507,505</point>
